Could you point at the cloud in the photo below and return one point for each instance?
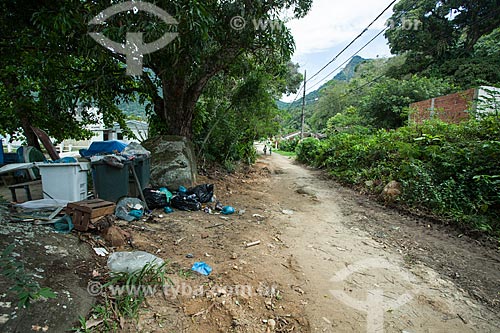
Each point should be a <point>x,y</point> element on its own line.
<point>330,23</point>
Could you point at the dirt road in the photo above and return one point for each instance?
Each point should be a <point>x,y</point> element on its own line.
<point>349,276</point>
<point>329,260</point>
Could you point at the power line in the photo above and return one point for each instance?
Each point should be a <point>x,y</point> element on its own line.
<point>355,39</point>
<point>349,59</point>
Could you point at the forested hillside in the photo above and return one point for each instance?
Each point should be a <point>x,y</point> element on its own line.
<point>445,170</point>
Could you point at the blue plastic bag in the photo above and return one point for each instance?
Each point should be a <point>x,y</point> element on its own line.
<point>201,268</point>
<point>136,213</point>
<point>64,225</point>
<point>168,210</point>
<point>182,189</point>
<point>227,210</point>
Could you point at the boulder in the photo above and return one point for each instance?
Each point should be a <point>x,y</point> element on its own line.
<point>173,161</point>
<point>391,191</point>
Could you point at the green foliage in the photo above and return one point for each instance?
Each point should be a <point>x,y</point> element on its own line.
<point>456,39</point>
<point>124,295</point>
<point>450,170</point>
<point>289,145</point>
<point>309,151</point>
<point>386,103</point>
<point>24,285</point>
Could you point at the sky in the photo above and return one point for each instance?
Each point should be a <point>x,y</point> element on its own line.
<point>328,27</point>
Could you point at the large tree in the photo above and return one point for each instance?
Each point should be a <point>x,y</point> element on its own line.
<point>444,42</point>
<point>50,64</point>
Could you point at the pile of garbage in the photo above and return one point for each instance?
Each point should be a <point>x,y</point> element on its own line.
<point>197,198</point>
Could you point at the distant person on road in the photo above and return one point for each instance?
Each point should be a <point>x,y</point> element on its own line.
<point>270,150</point>
<point>265,149</point>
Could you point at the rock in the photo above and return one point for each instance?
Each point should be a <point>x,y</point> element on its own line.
<point>391,191</point>
<point>115,236</point>
<point>271,323</point>
<point>234,256</point>
<point>204,235</point>
<point>173,162</point>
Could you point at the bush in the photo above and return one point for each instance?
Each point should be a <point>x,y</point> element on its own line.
<point>450,170</point>
<point>289,145</point>
<point>308,150</point>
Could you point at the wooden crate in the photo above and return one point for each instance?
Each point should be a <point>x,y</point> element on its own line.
<point>83,213</point>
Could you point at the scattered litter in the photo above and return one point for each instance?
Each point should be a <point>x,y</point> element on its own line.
<point>126,205</point>
<point>201,268</point>
<point>136,213</point>
<point>204,192</point>
<point>242,212</point>
<point>234,256</point>
<point>287,211</point>
<point>258,216</point>
<point>218,206</point>
<point>253,243</point>
<point>225,218</point>
<point>179,240</point>
<point>43,203</point>
<point>156,198</point>
<point>186,202</point>
<point>100,251</point>
<point>189,255</point>
<point>327,321</point>
<point>215,226</point>
<point>64,225</point>
<point>227,210</point>
<point>168,210</point>
<point>272,324</point>
<point>129,262</point>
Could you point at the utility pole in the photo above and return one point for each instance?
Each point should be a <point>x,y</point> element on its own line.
<point>303,107</point>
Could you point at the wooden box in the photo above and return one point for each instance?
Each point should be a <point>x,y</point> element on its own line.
<point>83,213</point>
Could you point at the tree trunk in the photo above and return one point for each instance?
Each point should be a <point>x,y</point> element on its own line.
<point>178,107</point>
<point>23,112</point>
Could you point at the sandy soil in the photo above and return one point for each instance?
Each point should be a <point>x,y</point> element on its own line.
<point>329,260</point>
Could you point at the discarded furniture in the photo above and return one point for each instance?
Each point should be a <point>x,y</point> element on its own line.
<point>25,186</point>
<point>85,212</point>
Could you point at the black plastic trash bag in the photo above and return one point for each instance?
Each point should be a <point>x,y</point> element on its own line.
<point>155,198</point>
<point>186,202</point>
<point>204,192</point>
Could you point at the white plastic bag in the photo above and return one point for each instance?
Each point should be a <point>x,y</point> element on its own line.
<point>129,262</point>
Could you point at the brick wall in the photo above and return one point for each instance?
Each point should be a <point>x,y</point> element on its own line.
<point>450,108</point>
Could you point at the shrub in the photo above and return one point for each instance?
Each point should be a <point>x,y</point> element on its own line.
<point>449,170</point>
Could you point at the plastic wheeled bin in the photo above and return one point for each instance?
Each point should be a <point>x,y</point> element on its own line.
<point>65,181</point>
<point>110,183</point>
<point>142,166</point>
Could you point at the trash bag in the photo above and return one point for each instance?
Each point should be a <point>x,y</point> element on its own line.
<point>167,193</point>
<point>201,268</point>
<point>186,202</point>
<point>227,210</point>
<point>204,192</point>
<point>125,205</point>
<point>129,262</point>
<point>136,149</point>
<point>155,198</point>
<point>64,225</point>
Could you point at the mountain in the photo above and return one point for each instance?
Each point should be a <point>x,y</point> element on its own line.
<point>346,74</point>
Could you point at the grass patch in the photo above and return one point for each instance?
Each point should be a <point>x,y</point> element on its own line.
<point>285,153</point>
<point>123,295</point>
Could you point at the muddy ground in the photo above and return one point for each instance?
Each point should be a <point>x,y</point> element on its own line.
<point>329,260</point>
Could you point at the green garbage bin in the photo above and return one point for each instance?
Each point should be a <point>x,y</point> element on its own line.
<point>142,166</point>
<point>110,183</point>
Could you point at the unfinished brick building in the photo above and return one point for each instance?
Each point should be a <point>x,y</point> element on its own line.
<point>456,107</point>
